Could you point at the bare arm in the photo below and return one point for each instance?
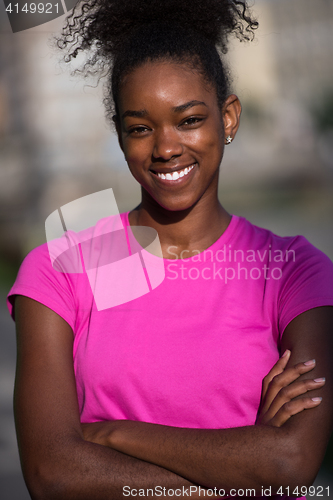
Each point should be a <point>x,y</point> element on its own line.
<point>255,456</point>
<point>57,462</point>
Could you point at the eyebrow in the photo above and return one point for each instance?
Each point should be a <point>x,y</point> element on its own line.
<point>177,109</point>
<point>187,105</point>
<point>136,114</point>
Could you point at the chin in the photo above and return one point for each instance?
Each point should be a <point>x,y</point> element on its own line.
<point>176,205</point>
<point>172,203</point>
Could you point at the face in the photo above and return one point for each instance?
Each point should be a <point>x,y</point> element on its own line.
<point>172,133</point>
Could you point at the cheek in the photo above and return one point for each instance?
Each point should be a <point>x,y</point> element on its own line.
<point>208,142</point>
<point>136,153</point>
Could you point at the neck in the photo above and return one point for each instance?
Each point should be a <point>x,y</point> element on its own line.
<point>192,230</point>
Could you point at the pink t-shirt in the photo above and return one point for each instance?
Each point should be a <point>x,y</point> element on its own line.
<point>193,350</point>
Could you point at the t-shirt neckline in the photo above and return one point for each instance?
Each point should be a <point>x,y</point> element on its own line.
<point>223,239</point>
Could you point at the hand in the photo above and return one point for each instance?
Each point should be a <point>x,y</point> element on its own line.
<point>280,389</point>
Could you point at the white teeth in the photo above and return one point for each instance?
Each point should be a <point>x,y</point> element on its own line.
<point>176,175</point>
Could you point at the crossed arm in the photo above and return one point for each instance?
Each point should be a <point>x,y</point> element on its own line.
<point>61,459</point>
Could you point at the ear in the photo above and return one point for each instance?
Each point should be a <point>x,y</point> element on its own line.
<point>231,112</point>
<point>116,121</point>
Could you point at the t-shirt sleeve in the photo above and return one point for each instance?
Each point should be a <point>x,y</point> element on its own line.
<point>38,280</point>
<point>307,281</point>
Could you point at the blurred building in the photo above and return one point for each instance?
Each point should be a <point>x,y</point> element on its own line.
<point>284,78</point>
<point>304,51</point>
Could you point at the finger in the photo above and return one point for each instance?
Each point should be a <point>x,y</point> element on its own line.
<point>292,391</point>
<point>292,408</point>
<point>293,373</point>
<point>285,378</point>
<point>276,370</point>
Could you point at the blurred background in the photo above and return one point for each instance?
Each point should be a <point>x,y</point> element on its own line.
<point>55,146</point>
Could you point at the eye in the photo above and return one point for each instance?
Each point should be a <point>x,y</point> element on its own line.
<point>192,120</point>
<point>139,130</point>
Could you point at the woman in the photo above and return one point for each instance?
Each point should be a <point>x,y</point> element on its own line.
<point>164,390</point>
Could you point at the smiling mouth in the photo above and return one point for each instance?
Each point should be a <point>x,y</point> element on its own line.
<point>173,176</point>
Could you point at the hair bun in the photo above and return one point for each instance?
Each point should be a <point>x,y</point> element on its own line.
<point>106,24</point>
<point>215,19</point>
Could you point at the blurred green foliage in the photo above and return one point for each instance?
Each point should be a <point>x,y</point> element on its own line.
<point>322,112</point>
<point>8,272</point>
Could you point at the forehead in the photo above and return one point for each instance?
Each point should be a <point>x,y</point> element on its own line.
<point>164,84</point>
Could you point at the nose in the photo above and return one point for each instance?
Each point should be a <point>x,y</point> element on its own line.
<point>167,144</point>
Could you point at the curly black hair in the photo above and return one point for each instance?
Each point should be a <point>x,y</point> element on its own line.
<point>120,35</point>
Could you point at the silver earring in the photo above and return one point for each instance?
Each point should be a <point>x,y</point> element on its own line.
<point>228,139</point>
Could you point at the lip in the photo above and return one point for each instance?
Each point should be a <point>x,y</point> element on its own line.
<point>171,170</point>
<point>169,182</point>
